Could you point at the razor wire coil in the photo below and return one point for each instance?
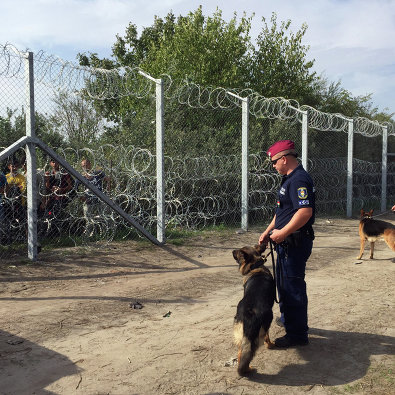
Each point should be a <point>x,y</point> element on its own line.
<point>103,84</point>
<point>199,192</point>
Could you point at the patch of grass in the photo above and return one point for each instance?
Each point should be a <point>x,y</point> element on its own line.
<point>378,380</point>
<point>65,245</point>
<point>181,236</point>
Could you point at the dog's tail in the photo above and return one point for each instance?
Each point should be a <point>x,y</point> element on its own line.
<point>247,349</point>
<point>389,238</point>
<point>248,337</point>
<point>246,354</point>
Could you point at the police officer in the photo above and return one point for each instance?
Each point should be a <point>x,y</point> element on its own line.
<point>291,230</point>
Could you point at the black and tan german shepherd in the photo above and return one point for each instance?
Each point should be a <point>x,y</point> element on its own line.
<point>254,312</point>
<point>372,229</point>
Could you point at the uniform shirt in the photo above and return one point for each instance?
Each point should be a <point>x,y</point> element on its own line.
<point>296,191</point>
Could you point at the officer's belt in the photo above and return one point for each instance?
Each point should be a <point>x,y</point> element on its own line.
<point>295,238</point>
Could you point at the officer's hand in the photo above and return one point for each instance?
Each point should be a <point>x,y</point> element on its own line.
<point>264,238</point>
<point>277,236</point>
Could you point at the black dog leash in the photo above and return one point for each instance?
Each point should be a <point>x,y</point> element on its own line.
<point>385,212</point>
<point>271,242</point>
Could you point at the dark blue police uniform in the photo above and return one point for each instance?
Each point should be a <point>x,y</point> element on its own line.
<point>296,191</point>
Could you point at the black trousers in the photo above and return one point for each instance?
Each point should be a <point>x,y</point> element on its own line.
<point>291,285</point>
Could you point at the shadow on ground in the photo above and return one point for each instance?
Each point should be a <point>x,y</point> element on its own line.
<point>28,368</point>
<point>332,358</point>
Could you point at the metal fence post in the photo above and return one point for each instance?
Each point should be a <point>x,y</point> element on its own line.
<point>244,163</point>
<point>245,120</point>
<point>160,173</point>
<point>304,140</point>
<point>304,135</point>
<point>31,160</point>
<point>384,170</point>
<point>350,153</point>
<point>160,177</point>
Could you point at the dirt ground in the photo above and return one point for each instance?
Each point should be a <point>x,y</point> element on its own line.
<point>68,325</point>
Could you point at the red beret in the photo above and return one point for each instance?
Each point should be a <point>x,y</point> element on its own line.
<point>281,145</point>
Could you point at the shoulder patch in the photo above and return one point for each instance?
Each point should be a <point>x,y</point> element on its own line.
<point>302,193</point>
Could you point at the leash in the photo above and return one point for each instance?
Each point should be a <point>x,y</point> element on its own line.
<point>271,243</point>
<point>385,212</point>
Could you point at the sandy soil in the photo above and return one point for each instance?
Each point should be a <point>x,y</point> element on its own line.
<point>68,325</point>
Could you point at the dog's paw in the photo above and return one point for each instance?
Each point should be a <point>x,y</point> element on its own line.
<point>270,345</point>
<point>246,372</point>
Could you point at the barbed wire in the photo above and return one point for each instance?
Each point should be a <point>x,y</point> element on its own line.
<point>103,84</point>
<point>200,191</point>
<point>12,64</point>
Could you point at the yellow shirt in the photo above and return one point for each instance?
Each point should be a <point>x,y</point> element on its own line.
<point>18,180</point>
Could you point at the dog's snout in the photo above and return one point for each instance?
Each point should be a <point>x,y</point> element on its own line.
<point>260,248</point>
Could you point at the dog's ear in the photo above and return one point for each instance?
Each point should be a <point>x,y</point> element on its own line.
<point>259,248</point>
<point>371,213</point>
<point>241,257</point>
<point>238,254</point>
<point>362,213</point>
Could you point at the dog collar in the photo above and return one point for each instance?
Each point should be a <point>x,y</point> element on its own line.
<point>257,264</point>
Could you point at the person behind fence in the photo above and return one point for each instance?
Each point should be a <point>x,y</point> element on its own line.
<point>59,185</point>
<point>16,183</point>
<point>41,190</point>
<point>16,191</point>
<point>292,232</point>
<point>91,203</point>
<point>3,185</point>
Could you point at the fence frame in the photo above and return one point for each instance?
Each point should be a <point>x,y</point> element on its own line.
<point>31,141</point>
<point>160,165</point>
<point>245,124</point>
<point>31,160</point>
<point>384,169</point>
<point>350,153</point>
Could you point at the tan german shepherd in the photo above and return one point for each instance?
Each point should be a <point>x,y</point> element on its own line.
<point>372,229</point>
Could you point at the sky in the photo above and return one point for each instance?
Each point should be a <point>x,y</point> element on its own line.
<point>352,41</point>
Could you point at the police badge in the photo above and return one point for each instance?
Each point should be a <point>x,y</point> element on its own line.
<point>302,193</point>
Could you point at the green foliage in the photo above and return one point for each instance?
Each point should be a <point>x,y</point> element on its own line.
<point>336,99</point>
<point>280,66</point>
<point>10,128</point>
<point>209,51</point>
<point>76,120</point>
<point>13,127</point>
<point>206,50</point>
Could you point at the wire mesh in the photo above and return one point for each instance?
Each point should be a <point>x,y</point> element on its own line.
<point>107,118</point>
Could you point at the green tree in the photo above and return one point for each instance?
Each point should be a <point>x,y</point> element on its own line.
<point>206,50</point>
<point>336,99</point>
<point>9,133</point>
<point>280,66</point>
<point>13,127</point>
<point>212,52</point>
<point>76,120</point>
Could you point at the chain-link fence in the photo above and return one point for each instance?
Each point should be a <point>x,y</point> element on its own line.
<point>104,126</point>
